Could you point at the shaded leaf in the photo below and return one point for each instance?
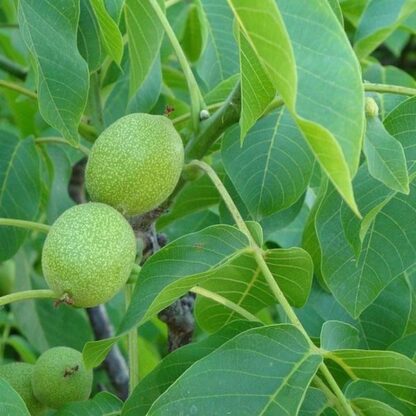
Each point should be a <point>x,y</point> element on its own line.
<point>392,371</point>
<point>378,21</point>
<point>385,157</point>
<point>241,282</point>
<point>89,36</point>
<point>219,59</point>
<point>263,371</point>
<point>368,389</point>
<point>311,88</point>
<point>110,33</point>
<point>385,320</point>
<point>257,91</point>
<point>174,365</point>
<point>314,403</point>
<point>11,403</point>
<point>103,404</point>
<point>62,74</point>
<point>337,335</point>
<point>193,35</point>
<point>20,189</point>
<point>145,34</point>
<point>356,282</point>
<point>272,169</point>
<point>370,407</point>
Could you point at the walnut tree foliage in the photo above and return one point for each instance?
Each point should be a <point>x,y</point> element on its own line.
<point>293,223</point>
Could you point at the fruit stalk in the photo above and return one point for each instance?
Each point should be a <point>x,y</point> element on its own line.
<point>30,225</point>
<point>26,295</point>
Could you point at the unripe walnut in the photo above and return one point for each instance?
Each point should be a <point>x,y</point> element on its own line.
<point>88,254</point>
<point>19,376</point>
<point>135,164</point>
<point>59,377</point>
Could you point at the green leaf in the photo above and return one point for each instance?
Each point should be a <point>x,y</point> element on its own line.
<point>368,389</point>
<point>62,75</point>
<point>385,157</point>
<point>179,266</point>
<point>336,8</point>
<point>401,124</point>
<point>103,404</point>
<point>94,352</point>
<point>321,307</point>
<point>263,371</point>
<point>385,321</point>
<point>59,199</point>
<point>110,33</point>
<point>314,403</point>
<point>174,365</point>
<point>219,59</point>
<point>89,36</point>
<point>311,88</point>
<point>20,189</point>
<point>241,282</point>
<point>337,335</point>
<point>379,20</point>
<point>145,34</point>
<point>272,169</point>
<point>119,103</point>
<point>388,249</point>
<point>370,407</point>
<point>257,91</point>
<point>192,40</point>
<point>390,370</point>
<point>11,403</point>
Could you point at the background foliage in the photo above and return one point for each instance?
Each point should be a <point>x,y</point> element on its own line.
<point>309,311</point>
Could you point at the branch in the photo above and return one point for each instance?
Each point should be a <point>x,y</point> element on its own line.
<point>13,68</point>
<point>114,363</point>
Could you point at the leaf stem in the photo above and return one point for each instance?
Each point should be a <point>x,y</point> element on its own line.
<point>61,140</point>
<point>18,88</point>
<point>133,346</point>
<point>30,225</point>
<point>226,302</point>
<point>197,101</point>
<point>225,196</point>
<point>390,89</point>
<point>338,392</point>
<point>26,295</point>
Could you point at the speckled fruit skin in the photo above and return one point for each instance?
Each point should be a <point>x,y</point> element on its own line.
<point>135,164</point>
<point>7,277</point>
<point>19,376</point>
<point>59,376</point>
<point>88,254</point>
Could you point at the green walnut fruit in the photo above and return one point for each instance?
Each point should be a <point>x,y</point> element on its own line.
<point>7,277</point>
<point>19,376</point>
<point>135,164</point>
<point>88,254</point>
<point>59,377</point>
